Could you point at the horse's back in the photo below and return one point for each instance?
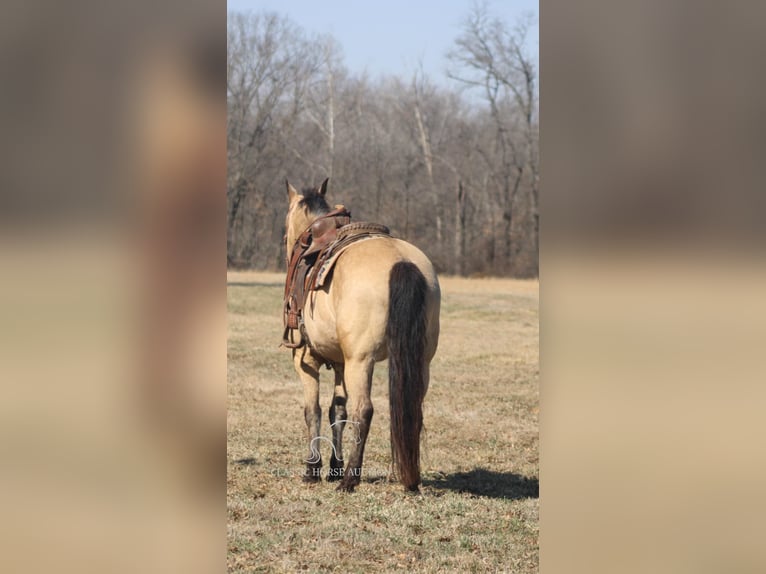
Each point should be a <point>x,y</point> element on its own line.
<point>374,259</point>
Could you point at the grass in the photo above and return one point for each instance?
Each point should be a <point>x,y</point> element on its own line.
<point>478,506</point>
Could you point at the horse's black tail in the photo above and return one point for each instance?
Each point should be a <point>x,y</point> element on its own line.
<point>405,334</point>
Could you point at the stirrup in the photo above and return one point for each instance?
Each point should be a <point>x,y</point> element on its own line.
<point>288,343</point>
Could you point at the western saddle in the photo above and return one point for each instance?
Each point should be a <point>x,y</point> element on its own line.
<point>311,262</point>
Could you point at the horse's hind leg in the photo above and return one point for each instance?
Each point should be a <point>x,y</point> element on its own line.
<point>337,422</point>
<point>358,378</point>
<point>307,367</point>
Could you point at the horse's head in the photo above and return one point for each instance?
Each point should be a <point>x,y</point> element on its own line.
<point>304,208</point>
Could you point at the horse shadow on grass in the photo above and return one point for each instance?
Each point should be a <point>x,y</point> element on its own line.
<point>484,482</point>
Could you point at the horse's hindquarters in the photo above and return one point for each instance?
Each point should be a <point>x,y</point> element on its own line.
<point>358,295</point>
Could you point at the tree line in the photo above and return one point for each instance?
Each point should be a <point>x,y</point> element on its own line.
<point>452,167</point>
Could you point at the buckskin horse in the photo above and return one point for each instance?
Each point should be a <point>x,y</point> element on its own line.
<point>362,297</point>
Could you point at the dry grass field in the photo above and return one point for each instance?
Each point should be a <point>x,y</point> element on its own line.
<point>478,506</point>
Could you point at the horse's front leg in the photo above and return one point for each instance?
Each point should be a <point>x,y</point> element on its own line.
<point>358,378</point>
<point>307,367</point>
<point>337,422</point>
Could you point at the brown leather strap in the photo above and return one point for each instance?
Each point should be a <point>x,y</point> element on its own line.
<point>299,264</point>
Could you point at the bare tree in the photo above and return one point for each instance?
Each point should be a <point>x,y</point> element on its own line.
<point>323,107</point>
<point>490,56</point>
<point>419,89</point>
<point>270,65</point>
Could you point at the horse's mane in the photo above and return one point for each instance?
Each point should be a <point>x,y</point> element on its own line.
<point>315,203</point>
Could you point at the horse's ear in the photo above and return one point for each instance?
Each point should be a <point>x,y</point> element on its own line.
<point>292,193</point>
<point>323,187</point>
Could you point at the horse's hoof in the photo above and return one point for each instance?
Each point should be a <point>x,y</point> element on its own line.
<point>311,478</point>
<point>335,474</point>
<point>345,487</point>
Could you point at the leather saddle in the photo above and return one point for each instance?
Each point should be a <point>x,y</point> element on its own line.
<point>311,262</point>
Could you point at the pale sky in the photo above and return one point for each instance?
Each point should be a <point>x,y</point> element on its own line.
<point>392,36</point>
